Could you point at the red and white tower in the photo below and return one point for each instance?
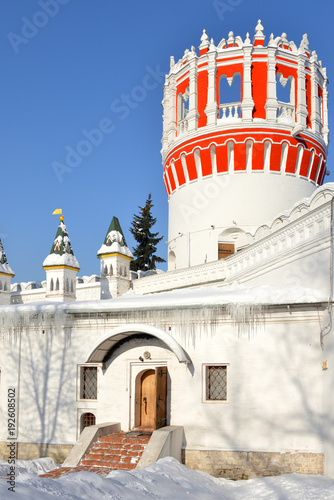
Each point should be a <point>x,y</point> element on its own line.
<point>230,166</point>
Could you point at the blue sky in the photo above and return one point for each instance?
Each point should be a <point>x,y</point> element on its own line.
<point>68,76</point>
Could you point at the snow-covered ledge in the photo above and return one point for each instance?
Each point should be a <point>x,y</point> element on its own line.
<point>165,442</point>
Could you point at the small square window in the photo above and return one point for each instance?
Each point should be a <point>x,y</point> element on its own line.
<point>88,382</point>
<point>216,382</point>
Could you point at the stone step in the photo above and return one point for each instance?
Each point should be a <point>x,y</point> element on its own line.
<point>107,464</point>
<point>112,458</point>
<point>64,471</point>
<point>124,441</point>
<point>97,454</point>
<point>116,448</point>
<point>116,451</point>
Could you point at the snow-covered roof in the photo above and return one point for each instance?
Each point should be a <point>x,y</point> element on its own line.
<point>61,260</point>
<point>61,253</point>
<point>200,297</point>
<point>4,266</point>
<point>114,242</point>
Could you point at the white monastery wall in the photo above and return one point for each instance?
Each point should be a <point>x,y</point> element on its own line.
<point>89,291</point>
<point>280,359</point>
<point>328,401</point>
<point>295,245</point>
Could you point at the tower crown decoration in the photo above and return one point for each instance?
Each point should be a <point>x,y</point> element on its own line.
<point>194,103</point>
<point>115,258</point>
<point>61,266</point>
<point>4,266</point>
<point>237,110</point>
<point>6,274</point>
<point>61,253</point>
<point>114,242</point>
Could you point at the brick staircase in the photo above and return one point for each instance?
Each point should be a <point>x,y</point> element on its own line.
<point>113,452</point>
<point>117,451</point>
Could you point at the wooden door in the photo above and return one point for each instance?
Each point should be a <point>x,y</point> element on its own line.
<point>161,394</point>
<point>225,250</point>
<point>148,399</point>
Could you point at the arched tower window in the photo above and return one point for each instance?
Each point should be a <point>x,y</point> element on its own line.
<point>285,91</point>
<point>284,156</point>
<point>171,260</point>
<point>105,270</point>
<point>182,105</point>
<point>184,166</point>
<point>111,272</point>
<point>5,287</point>
<point>197,157</point>
<point>72,286</point>
<point>182,111</point>
<point>249,155</point>
<point>213,158</point>
<point>51,285</point>
<point>124,271</point>
<point>0,285</point>
<point>57,284</point>
<point>67,286</point>
<point>300,158</point>
<point>87,419</point>
<point>266,159</point>
<point>230,156</point>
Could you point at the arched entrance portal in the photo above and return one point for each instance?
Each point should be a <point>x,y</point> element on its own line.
<point>135,386</point>
<point>150,398</point>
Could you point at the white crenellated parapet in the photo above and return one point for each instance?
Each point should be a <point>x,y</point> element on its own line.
<point>315,80</point>
<point>211,107</point>
<point>165,116</point>
<point>325,129</point>
<point>247,101</point>
<point>205,44</point>
<point>193,99</point>
<point>259,37</point>
<point>280,57</point>
<point>293,248</point>
<point>271,104</point>
<point>171,130</point>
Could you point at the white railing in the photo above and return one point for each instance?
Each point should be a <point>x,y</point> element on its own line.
<point>285,112</point>
<point>182,126</point>
<point>230,111</point>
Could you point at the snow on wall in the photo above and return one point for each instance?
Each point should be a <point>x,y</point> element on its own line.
<point>270,404</point>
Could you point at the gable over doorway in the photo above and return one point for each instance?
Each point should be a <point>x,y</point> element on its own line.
<point>110,340</point>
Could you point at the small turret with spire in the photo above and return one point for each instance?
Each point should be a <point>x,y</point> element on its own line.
<point>61,266</point>
<point>6,274</point>
<point>115,259</point>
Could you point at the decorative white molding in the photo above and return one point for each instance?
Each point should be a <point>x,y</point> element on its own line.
<point>274,245</point>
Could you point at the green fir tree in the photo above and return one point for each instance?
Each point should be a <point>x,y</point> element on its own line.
<point>144,253</point>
